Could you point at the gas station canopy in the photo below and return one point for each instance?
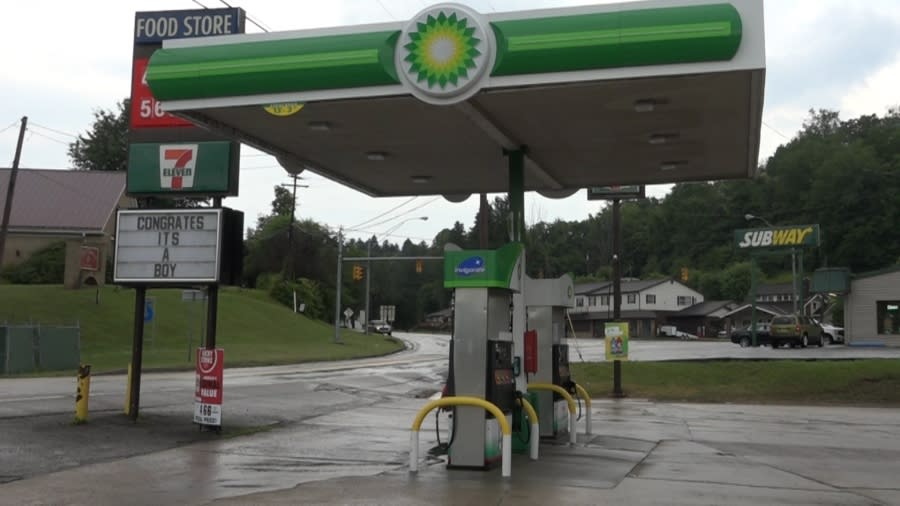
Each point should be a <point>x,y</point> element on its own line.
<point>632,93</point>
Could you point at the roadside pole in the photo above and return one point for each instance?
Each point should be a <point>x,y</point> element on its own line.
<point>337,302</point>
<point>368,286</point>
<point>137,351</point>
<point>753,299</point>
<point>11,187</point>
<point>617,289</point>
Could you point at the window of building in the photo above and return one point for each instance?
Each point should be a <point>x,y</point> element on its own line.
<point>632,298</point>
<point>888,316</point>
<point>604,300</point>
<point>650,298</point>
<point>593,301</point>
<point>684,300</point>
<point>579,301</point>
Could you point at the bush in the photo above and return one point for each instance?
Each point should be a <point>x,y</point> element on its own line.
<point>44,267</point>
<point>308,292</point>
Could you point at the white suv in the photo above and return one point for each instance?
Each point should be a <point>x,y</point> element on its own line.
<point>830,333</point>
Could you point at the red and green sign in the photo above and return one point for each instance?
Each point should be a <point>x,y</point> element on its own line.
<point>204,168</point>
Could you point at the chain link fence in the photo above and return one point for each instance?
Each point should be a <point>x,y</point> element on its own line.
<point>32,347</point>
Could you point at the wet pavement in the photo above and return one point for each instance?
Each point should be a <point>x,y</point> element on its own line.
<point>339,434</point>
<point>640,453</point>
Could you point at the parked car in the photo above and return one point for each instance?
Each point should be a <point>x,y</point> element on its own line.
<point>796,330</point>
<point>382,327</point>
<point>830,333</point>
<point>744,337</point>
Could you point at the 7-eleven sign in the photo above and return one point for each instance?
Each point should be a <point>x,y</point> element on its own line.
<point>177,165</point>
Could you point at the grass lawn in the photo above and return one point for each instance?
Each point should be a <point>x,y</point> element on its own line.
<point>862,382</point>
<point>252,328</point>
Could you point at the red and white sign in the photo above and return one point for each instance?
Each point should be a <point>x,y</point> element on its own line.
<point>146,112</point>
<point>90,258</point>
<point>177,165</point>
<point>208,387</point>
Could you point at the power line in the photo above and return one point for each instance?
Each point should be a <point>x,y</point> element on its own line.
<point>384,213</point>
<point>14,123</point>
<point>200,4</point>
<point>60,132</point>
<point>247,15</point>
<point>33,132</point>
<point>776,131</point>
<point>405,213</point>
<point>72,189</point>
<point>386,9</point>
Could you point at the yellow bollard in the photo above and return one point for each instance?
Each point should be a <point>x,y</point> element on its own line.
<point>128,393</point>
<point>83,393</point>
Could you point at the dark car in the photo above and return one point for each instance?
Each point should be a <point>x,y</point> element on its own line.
<point>744,337</point>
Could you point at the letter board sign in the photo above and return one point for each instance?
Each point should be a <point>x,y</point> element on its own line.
<point>177,246</point>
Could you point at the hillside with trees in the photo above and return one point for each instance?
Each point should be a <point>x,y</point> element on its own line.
<point>842,174</point>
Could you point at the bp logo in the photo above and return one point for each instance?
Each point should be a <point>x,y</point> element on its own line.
<point>444,53</point>
<point>177,166</point>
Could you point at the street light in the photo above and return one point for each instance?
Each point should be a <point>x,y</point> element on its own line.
<point>395,227</point>
<point>369,267</point>
<point>751,217</point>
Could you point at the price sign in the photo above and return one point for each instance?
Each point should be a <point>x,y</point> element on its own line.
<point>208,386</point>
<point>146,111</point>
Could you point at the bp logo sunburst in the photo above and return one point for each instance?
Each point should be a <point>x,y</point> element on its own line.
<point>444,52</point>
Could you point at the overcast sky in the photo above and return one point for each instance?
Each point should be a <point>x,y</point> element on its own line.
<point>63,60</point>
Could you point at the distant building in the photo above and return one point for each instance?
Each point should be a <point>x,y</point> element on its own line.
<point>645,305</point>
<point>76,207</point>
<point>872,309</point>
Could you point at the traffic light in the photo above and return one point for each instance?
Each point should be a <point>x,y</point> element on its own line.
<point>357,272</point>
<point>419,266</point>
<point>684,273</point>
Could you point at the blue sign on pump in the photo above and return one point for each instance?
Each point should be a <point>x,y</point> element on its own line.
<point>155,27</point>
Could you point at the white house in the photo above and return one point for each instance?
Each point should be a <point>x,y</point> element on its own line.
<point>872,309</point>
<point>645,305</point>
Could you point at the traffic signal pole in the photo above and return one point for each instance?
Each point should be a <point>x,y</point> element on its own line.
<point>368,274</point>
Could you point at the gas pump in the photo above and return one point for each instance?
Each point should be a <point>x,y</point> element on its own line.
<point>481,348</point>
<point>546,301</point>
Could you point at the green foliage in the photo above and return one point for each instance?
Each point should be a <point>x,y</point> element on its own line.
<point>308,292</point>
<point>105,146</point>
<point>253,329</point>
<point>44,267</point>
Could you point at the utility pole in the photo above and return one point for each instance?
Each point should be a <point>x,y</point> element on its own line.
<point>11,188</point>
<point>290,269</point>
<point>337,302</point>
<point>368,286</point>
<point>483,222</point>
<point>617,289</point>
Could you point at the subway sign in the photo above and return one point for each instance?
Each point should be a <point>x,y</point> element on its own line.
<point>155,27</point>
<point>792,236</point>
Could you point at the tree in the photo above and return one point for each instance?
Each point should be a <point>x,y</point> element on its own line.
<point>283,204</point>
<point>105,146</point>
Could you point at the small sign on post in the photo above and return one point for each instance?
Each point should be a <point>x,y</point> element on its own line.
<point>208,387</point>
<point>616,341</point>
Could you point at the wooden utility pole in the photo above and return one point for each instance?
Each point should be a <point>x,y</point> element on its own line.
<point>10,190</point>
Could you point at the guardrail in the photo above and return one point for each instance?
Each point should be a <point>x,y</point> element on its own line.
<point>569,400</point>
<point>506,465</point>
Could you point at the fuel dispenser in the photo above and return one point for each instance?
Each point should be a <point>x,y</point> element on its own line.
<point>546,350</point>
<point>482,362</point>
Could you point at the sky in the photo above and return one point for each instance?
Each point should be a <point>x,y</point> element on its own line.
<point>64,60</point>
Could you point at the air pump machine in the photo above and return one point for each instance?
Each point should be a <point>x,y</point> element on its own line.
<point>481,348</point>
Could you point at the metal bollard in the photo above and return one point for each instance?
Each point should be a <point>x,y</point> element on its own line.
<point>83,393</point>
